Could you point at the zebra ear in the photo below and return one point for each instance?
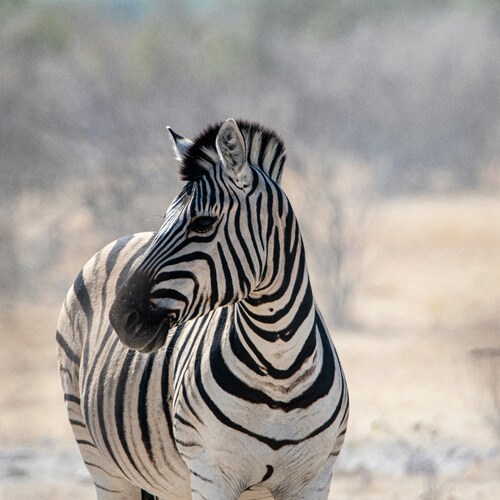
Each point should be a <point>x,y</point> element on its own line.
<point>180,144</point>
<point>232,151</point>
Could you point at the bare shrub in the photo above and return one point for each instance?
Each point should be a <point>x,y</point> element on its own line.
<point>338,207</point>
<point>86,97</point>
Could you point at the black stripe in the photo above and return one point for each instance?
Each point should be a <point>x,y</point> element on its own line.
<point>142,406</point>
<point>281,204</point>
<point>268,474</point>
<point>244,283</point>
<point>253,234</point>
<point>196,256</point>
<point>70,354</point>
<point>277,153</point>
<point>228,281</point>
<point>274,444</point>
<point>120,404</point>
<point>244,356</point>
<point>188,444</point>
<point>92,464</point>
<point>211,189</point>
<point>90,375</point>
<point>101,383</point>
<point>221,188</point>
<point>83,298</point>
<point>175,238</point>
<point>125,271</point>
<point>72,421</point>
<point>199,476</point>
<point>114,253</point>
<point>69,373</point>
<point>71,398</point>
<point>199,494</point>
<point>186,400</point>
<point>123,274</point>
<point>269,212</point>
<point>306,304</point>
<point>190,341</point>
<point>258,209</point>
<point>280,168</point>
<point>262,151</point>
<point>185,343</point>
<point>111,260</point>
<point>248,138</point>
<point>98,486</point>
<point>183,421</point>
<point>147,496</point>
<point>165,395</point>
<point>228,381</point>
<point>86,443</point>
<point>243,243</point>
<point>346,411</point>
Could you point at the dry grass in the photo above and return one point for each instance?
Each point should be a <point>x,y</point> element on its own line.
<point>434,265</point>
<point>32,408</point>
<point>430,296</point>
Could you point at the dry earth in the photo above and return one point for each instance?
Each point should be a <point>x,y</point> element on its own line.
<point>423,419</point>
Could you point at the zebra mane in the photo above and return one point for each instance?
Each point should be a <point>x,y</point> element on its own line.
<point>265,150</point>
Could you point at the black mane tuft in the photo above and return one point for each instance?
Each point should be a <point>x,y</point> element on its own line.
<point>265,150</point>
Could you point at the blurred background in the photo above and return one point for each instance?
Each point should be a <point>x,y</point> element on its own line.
<point>390,112</point>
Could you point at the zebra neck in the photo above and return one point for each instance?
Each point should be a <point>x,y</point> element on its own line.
<point>278,330</point>
<point>276,323</point>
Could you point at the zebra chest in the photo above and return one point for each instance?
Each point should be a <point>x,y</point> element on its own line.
<point>241,447</point>
<point>216,429</point>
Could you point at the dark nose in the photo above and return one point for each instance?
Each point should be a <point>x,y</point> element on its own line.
<point>132,320</point>
<point>140,324</point>
<point>131,308</point>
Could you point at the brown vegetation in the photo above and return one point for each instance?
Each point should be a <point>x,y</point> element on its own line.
<point>390,112</point>
<point>420,410</point>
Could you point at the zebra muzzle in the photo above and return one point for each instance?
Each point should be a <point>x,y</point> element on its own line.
<point>140,324</point>
<point>144,332</point>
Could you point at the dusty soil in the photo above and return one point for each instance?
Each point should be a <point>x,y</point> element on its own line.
<point>424,419</point>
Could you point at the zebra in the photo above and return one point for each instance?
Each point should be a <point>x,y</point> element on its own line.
<point>194,360</point>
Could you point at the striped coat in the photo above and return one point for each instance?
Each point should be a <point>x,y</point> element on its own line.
<point>194,361</point>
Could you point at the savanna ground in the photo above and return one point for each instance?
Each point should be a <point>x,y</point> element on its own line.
<point>423,418</point>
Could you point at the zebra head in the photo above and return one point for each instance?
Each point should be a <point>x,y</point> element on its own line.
<point>219,241</point>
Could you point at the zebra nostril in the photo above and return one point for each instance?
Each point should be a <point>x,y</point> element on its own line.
<point>133,320</point>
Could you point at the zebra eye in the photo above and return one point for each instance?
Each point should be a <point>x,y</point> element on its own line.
<point>202,224</point>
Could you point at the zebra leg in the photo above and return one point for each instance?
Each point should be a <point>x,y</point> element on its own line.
<point>317,488</point>
<point>206,484</point>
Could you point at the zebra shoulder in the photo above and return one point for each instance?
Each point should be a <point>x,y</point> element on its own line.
<point>91,289</point>
<point>121,254</point>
